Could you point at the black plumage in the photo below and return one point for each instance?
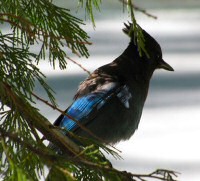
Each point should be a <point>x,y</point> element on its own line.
<point>110,101</point>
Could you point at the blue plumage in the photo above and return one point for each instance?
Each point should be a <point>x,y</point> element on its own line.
<point>81,109</point>
<point>84,106</point>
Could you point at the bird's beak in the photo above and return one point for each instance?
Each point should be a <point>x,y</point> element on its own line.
<point>163,65</point>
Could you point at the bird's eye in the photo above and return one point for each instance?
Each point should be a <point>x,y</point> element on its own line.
<point>159,56</point>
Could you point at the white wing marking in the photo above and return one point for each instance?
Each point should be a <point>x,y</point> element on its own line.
<point>124,95</point>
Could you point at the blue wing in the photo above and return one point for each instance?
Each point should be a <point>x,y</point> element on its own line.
<point>84,108</point>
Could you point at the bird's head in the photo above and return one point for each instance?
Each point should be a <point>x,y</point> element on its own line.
<point>152,57</point>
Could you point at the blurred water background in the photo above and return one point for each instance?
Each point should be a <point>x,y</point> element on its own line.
<point>169,131</point>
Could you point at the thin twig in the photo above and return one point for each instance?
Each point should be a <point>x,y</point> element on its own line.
<point>65,114</point>
<point>84,69</point>
<point>139,9</point>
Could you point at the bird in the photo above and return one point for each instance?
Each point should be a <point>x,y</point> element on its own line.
<point>110,101</point>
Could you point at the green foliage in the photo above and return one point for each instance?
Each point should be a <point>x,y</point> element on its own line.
<point>18,68</point>
<point>57,34</point>
<point>138,38</point>
<point>52,27</point>
<point>89,4</point>
<point>20,162</point>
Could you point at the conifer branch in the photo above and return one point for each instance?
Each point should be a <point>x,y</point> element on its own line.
<point>139,9</point>
<point>164,175</point>
<point>32,116</point>
<point>15,137</point>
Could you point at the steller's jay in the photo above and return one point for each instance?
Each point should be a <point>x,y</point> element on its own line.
<point>110,101</point>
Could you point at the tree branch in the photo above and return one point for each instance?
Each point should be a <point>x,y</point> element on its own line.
<point>32,116</point>
<point>165,175</point>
